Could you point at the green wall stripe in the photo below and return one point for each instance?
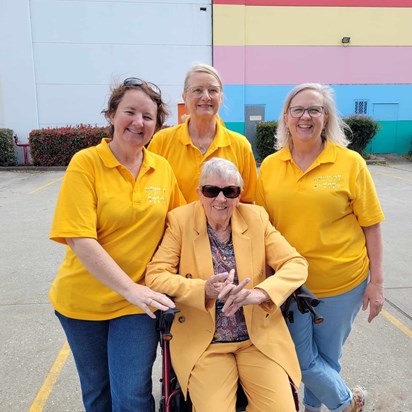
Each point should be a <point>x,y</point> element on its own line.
<point>236,127</point>
<point>393,137</point>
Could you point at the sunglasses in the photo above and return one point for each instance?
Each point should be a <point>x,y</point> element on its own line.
<point>136,82</point>
<point>231,192</point>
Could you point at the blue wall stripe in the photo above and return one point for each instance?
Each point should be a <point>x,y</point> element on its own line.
<point>237,96</point>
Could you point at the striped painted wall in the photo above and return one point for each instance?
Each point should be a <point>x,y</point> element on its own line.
<point>328,3</point>
<point>263,48</point>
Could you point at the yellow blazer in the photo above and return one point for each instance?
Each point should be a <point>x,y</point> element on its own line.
<point>183,263</point>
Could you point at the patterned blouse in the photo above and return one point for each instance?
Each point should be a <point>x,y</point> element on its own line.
<point>228,328</point>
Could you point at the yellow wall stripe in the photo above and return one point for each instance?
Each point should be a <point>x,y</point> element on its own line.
<point>311,26</point>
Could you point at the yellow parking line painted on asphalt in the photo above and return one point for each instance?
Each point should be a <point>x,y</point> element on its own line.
<point>397,323</point>
<point>395,177</point>
<point>47,387</point>
<point>46,185</point>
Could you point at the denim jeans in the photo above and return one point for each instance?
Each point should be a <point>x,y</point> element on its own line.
<point>319,349</point>
<point>114,360</point>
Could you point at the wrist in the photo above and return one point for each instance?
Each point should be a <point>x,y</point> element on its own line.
<point>263,295</point>
<point>377,284</point>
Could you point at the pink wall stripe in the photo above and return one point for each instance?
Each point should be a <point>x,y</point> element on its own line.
<point>324,3</point>
<point>260,65</point>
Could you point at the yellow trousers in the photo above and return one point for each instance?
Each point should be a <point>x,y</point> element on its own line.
<point>213,381</point>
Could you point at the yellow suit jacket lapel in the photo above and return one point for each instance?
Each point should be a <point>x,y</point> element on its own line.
<point>201,244</point>
<point>242,244</point>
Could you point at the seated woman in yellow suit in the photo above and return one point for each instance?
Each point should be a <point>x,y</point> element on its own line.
<point>212,261</point>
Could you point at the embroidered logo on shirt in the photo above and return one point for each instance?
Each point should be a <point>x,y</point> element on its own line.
<point>156,194</point>
<point>327,182</point>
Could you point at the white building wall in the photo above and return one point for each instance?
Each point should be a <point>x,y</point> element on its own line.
<point>74,50</point>
<point>18,99</point>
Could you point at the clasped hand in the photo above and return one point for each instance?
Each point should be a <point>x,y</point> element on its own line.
<point>234,296</point>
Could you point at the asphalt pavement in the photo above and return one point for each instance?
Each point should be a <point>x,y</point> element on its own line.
<point>37,369</point>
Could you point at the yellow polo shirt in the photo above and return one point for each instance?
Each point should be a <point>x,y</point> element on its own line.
<point>100,199</point>
<point>321,213</point>
<point>174,144</point>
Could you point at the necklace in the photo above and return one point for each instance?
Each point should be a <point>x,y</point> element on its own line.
<point>203,149</point>
<point>202,143</point>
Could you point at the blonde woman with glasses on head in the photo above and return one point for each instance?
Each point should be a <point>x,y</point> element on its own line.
<point>203,136</point>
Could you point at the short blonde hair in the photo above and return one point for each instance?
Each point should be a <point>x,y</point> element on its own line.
<point>202,68</point>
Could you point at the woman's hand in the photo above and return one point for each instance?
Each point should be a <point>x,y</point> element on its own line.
<point>245,297</point>
<point>215,284</point>
<point>144,297</point>
<point>374,298</point>
<point>234,296</point>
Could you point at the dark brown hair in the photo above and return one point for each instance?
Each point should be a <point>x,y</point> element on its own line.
<point>118,91</point>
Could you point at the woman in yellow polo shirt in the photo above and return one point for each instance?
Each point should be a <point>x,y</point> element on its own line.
<point>203,136</point>
<point>321,197</point>
<point>111,214</point>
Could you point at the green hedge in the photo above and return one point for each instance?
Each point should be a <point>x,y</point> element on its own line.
<point>363,130</point>
<point>265,138</point>
<point>7,149</point>
<point>56,146</point>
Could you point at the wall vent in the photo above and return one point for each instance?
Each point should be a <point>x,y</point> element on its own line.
<point>361,107</point>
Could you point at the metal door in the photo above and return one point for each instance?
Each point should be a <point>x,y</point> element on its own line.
<point>253,115</point>
<point>385,140</point>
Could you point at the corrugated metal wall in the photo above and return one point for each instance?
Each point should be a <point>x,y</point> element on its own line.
<point>61,57</point>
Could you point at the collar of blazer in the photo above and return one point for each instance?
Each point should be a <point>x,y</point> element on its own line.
<point>238,223</point>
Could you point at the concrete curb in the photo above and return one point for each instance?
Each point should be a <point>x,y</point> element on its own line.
<point>23,168</point>
<point>377,161</point>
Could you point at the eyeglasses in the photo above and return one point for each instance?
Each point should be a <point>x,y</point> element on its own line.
<point>231,192</point>
<point>198,91</point>
<point>136,82</point>
<point>313,111</point>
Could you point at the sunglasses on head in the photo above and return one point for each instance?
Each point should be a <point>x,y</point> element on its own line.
<point>231,192</point>
<point>136,82</point>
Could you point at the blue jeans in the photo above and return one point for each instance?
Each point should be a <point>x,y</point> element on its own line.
<point>319,349</point>
<point>114,359</point>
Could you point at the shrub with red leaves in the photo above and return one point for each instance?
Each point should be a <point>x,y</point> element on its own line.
<point>56,146</point>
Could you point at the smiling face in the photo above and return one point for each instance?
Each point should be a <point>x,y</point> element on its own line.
<point>306,129</point>
<point>218,209</point>
<point>134,121</point>
<point>203,95</point>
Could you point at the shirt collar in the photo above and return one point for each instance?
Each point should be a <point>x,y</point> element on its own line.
<point>221,138</point>
<point>110,161</point>
<point>327,155</point>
